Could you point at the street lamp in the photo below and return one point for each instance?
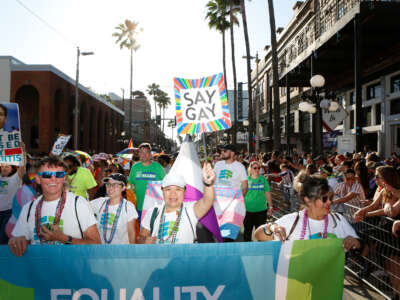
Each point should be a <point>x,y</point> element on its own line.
<point>317,104</point>
<point>76,110</point>
<point>257,108</point>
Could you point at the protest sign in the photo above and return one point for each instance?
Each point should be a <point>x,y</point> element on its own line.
<point>201,105</point>
<point>265,270</point>
<point>59,144</point>
<point>10,135</point>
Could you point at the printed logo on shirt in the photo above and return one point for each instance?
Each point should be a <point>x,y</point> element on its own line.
<point>225,174</point>
<point>46,221</point>
<point>3,187</point>
<point>145,175</point>
<point>167,230</point>
<point>111,218</point>
<point>256,187</point>
<point>319,235</point>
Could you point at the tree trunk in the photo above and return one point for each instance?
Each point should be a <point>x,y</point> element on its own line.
<point>130,98</point>
<point>234,75</point>
<point>250,94</point>
<point>224,60</point>
<point>277,105</point>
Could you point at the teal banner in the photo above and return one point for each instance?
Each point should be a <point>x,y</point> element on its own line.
<point>144,272</point>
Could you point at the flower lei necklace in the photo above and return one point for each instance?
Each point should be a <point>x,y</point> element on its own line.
<point>38,214</point>
<point>306,224</point>
<point>172,236</point>
<point>114,224</point>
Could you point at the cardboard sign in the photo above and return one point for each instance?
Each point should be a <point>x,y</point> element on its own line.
<point>10,135</point>
<point>59,144</point>
<point>201,105</point>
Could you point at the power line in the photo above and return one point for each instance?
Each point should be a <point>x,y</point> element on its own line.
<point>46,23</point>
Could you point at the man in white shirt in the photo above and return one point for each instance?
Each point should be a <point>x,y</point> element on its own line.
<point>229,171</point>
<point>57,216</point>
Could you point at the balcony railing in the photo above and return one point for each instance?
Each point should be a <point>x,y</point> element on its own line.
<point>304,42</point>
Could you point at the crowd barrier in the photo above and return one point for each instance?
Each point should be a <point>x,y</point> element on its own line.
<point>379,264</point>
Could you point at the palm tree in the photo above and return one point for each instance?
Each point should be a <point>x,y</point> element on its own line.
<point>233,21</point>
<point>277,107</point>
<point>248,57</point>
<point>152,90</point>
<point>163,102</point>
<point>216,16</point>
<point>125,38</point>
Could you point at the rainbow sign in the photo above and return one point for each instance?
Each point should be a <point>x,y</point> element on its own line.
<point>201,105</point>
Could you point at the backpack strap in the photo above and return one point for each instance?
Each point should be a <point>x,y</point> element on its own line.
<point>191,227</point>
<point>29,211</point>
<point>76,213</point>
<point>154,215</point>
<point>294,225</point>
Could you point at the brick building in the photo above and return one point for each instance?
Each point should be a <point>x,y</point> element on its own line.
<point>46,99</point>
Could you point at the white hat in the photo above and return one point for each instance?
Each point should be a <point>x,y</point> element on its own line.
<point>173,179</point>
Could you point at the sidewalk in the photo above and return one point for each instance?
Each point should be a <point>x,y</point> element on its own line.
<point>355,289</point>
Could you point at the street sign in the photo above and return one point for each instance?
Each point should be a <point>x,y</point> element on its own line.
<point>242,137</point>
<point>331,119</point>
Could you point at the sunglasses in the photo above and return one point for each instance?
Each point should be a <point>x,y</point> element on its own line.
<point>256,168</point>
<point>112,185</point>
<point>325,199</point>
<point>48,175</point>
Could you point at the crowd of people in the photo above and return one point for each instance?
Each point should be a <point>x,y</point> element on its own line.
<point>64,200</point>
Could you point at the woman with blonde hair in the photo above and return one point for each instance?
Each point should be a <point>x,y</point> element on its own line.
<point>256,200</point>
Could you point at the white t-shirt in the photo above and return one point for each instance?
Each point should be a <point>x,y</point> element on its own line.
<point>68,221</point>
<point>230,174</point>
<point>128,213</point>
<point>187,227</point>
<point>341,230</point>
<point>8,188</point>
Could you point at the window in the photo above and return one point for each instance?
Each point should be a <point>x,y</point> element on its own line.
<point>378,114</point>
<point>395,84</point>
<point>374,91</point>
<point>395,106</point>
<point>351,125</point>
<point>366,115</point>
<point>305,119</point>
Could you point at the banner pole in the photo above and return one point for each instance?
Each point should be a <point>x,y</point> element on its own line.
<point>205,145</point>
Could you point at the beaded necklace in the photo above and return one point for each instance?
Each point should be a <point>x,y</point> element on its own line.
<point>306,224</point>
<point>172,236</point>
<point>38,214</point>
<point>114,225</point>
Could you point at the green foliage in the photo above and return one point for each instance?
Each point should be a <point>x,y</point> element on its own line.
<point>125,35</point>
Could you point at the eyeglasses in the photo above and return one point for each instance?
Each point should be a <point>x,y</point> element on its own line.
<point>48,175</point>
<point>256,168</point>
<point>112,185</point>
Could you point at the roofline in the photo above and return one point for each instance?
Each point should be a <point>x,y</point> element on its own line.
<point>51,68</point>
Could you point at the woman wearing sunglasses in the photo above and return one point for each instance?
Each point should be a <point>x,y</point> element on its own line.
<point>256,200</point>
<point>116,217</point>
<point>314,221</point>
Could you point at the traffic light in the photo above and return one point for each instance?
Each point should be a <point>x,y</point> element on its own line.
<point>158,119</point>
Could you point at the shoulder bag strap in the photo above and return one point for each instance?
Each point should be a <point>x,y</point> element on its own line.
<point>294,225</point>
<point>76,213</point>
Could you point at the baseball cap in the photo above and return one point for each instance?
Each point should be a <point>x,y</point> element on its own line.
<point>173,179</point>
<point>229,147</point>
<point>116,177</point>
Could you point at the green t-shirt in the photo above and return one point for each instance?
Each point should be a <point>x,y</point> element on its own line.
<point>255,199</point>
<point>140,175</point>
<point>81,182</point>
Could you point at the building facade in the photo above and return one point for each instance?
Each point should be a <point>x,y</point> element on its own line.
<point>354,45</point>
<point>46,99</point>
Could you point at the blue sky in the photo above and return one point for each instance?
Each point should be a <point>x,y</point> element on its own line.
<point>175,42</point>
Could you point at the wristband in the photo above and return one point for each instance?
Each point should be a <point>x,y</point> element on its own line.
<point>269,232</point>
<point>207,184</point>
